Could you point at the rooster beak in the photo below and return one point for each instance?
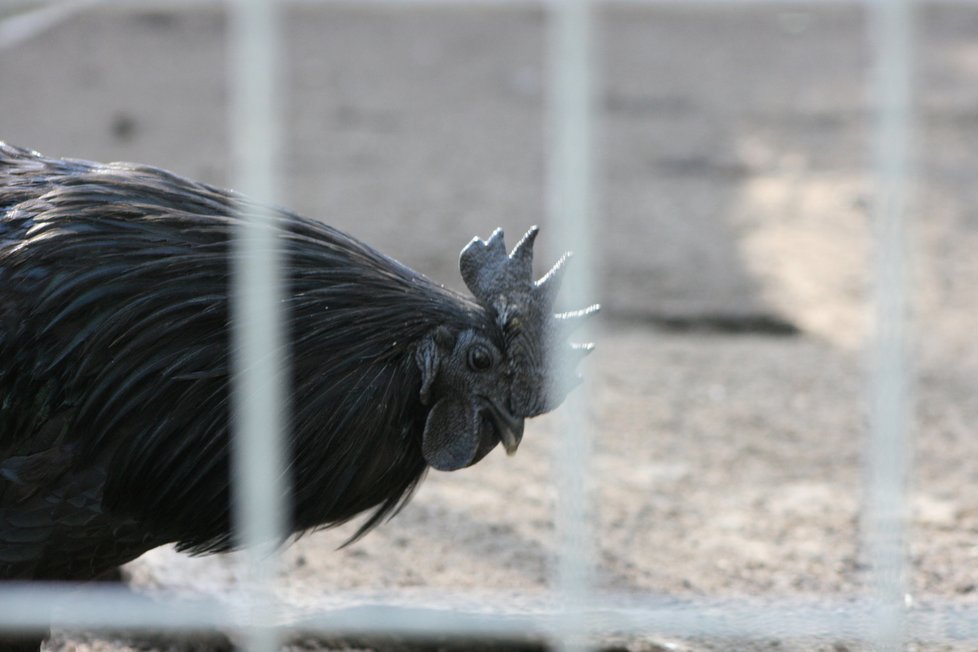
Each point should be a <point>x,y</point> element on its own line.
<point>512,437</point>
<point>510,428</point>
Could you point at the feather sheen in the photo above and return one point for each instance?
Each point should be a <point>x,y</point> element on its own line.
<point>114,367</point>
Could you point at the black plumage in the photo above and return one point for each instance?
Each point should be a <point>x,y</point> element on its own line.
<point>114,368</point>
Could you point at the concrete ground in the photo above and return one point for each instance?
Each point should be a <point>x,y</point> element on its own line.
<point>733,240</point>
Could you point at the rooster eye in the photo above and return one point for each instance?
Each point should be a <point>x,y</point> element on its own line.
<point>480,359</point>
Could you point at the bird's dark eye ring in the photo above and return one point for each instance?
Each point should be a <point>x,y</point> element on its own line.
<point>480,358</point>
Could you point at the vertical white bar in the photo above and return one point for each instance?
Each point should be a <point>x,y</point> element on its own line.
<point>891,400</point>
<point>257,322</point>
<point>570,203</point>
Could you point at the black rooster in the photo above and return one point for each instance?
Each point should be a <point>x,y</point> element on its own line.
<point>114,366</point>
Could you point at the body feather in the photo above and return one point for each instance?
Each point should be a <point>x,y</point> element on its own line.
<point>114,367</point>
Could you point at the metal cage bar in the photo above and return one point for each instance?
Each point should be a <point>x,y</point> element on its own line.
<point>28,606</point>
<point>570,203</point>
<point>578,611</point>
<point>259,365</point>
<point>888,462</point>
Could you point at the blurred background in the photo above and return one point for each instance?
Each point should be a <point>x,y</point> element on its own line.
<point>732,256</point>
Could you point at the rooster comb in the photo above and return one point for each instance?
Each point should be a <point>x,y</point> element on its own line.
<point>523,310</point>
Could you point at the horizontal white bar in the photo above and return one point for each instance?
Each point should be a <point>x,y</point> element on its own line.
<point>486,615</point>
<point>184,4</point>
